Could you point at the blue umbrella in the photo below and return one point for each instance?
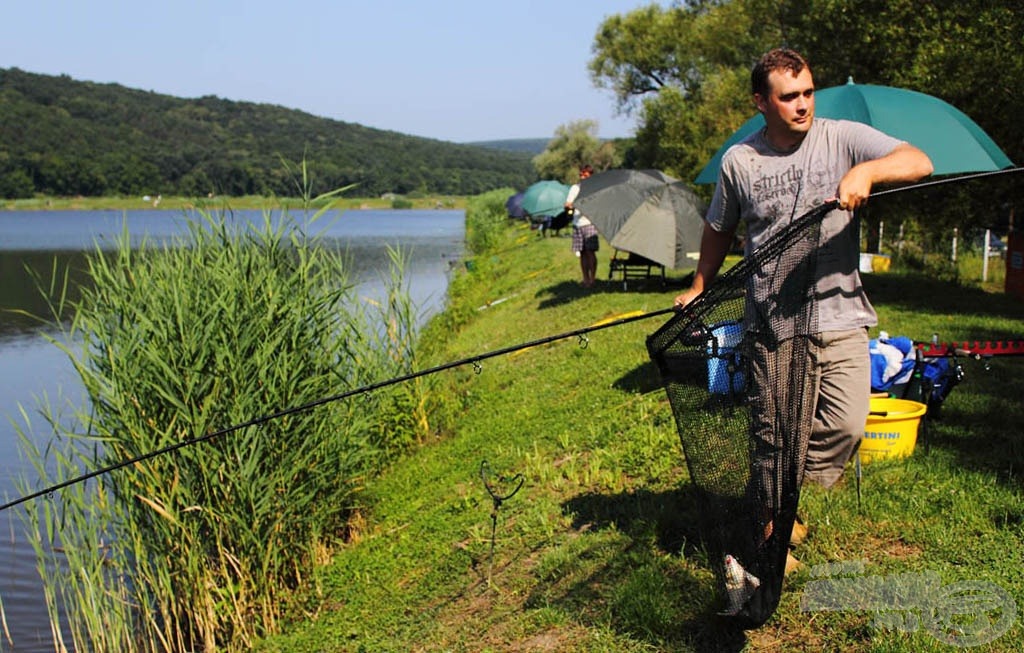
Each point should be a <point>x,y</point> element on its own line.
<point>514,206</point>
<point>545,198</point>
<point>953,141</point>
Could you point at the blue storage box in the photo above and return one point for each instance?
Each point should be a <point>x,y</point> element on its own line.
<point>725,375</point>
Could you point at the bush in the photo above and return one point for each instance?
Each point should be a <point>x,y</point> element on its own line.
<point>187,346</point>
<point>485,220</point>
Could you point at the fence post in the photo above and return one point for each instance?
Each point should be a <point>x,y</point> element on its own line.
<point>984,254</point>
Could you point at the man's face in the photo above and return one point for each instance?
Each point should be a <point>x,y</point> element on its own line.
<point>789,106</point>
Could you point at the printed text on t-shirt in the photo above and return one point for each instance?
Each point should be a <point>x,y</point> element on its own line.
<point>771,187</point>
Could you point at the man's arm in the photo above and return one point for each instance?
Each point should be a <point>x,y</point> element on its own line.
<point>905,163</point>
<point>714,245</point>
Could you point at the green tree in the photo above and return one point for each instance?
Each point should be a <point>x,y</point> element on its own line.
<point>678,135</point>
<point>16,184</point>
<point>685,71</point>
<point>573,145</point>
<point>648,50</point>
<point>637,53</point>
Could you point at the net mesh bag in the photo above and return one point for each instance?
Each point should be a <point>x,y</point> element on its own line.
<point>736,365</point>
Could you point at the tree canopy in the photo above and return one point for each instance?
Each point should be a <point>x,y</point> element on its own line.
<point>574,145</point>
<point>65,137</point>
<point>684,70</point>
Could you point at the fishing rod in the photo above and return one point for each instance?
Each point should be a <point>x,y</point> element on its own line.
<point>947,180</point>
<point>976,348</point>
<point>471,360</point>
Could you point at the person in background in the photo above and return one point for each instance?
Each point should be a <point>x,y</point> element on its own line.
<point>794,164</point>
<point>584,233</point>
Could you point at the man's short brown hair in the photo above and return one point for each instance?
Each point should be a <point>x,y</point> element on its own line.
<point>777,59</point>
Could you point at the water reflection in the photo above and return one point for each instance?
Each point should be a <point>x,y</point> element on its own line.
<point>29,278</point>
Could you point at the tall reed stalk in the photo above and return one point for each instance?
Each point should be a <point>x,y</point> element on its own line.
<point>200,549</point>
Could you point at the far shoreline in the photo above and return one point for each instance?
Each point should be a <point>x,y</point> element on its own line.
<point>219,202</point>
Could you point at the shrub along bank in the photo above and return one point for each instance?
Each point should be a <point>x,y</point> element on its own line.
<point>201,548</point>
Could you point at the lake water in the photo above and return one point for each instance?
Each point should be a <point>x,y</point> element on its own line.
<point>31,367</point>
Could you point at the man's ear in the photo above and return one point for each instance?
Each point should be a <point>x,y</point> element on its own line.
<point>759,101</point>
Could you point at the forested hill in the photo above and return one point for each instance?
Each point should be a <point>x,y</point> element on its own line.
<point>63,137</point>
<point>531,146</point>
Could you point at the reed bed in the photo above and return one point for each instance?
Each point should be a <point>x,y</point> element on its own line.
<point>203,548</point>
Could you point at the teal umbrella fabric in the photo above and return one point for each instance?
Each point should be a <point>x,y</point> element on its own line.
<point>545,198</point>
<point>954,142</point>
<point>645,212</point>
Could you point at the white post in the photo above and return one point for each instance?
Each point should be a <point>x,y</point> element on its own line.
<point>881,232</point>
<point>984,253</point>
<point>955,231</point>
<point>899,243</point>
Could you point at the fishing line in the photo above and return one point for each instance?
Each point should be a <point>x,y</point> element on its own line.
<point>475,361</point>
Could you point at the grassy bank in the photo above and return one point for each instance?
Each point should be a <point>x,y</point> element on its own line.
<point>597,551</point>
<point>248,202</point>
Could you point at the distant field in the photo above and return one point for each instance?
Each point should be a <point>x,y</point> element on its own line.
<point>524,145</point>
<point>248,202</point>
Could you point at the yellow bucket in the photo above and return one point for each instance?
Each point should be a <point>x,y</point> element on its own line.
<point>880,263</point>
<point>891,430</point>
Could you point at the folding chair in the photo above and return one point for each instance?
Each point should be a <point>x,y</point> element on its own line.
<point>633,266</point>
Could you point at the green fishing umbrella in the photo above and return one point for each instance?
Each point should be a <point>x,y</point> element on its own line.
<point>545,198</point>
<point>953,141</point>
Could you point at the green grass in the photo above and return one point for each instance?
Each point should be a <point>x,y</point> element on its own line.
<point>597,551</point>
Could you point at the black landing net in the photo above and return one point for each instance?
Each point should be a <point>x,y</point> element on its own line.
<point>736,366</point>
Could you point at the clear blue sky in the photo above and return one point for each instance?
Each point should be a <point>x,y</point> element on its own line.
<point>456,70</point>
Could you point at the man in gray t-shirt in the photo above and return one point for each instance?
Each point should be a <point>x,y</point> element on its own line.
<point>767,188</point>
<point>794,164</point>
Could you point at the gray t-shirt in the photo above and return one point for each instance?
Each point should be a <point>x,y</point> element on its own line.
<point>768,188</point>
